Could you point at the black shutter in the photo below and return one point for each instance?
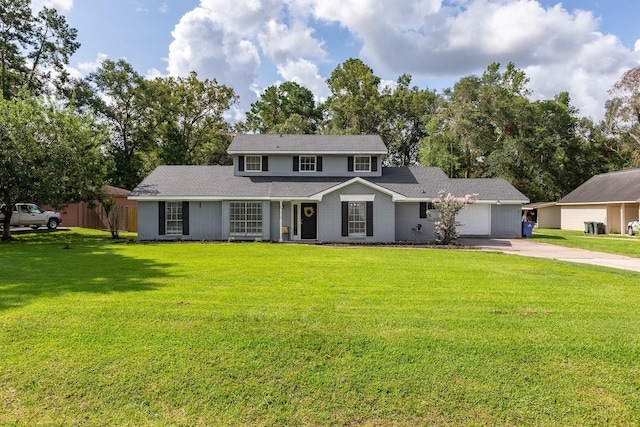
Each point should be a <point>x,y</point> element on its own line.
<point>241,163</point>
<point>265,163</point>
<point>185,218</point>
<point>161,221</point>
<point>423,209</point>
<point>350,163</point>
<point>345,218</point>
<point>369,218</point>
<point>296,163</point>
<point>374,164</point>
<point>319,163</point>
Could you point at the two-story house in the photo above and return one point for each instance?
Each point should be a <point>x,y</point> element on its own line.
<point>324,188</point>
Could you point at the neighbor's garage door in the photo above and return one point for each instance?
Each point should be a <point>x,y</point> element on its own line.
<point>476,219</point>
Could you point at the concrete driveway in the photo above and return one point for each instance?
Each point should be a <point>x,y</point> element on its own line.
<point>532,248</point>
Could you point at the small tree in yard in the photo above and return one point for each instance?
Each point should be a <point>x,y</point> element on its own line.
<point>113,212</point>
<point>448,207</point>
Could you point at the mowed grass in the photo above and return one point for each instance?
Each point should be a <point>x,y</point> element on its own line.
<point>258,334</point>
<point>610,243</point>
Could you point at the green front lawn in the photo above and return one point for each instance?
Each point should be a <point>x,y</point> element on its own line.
<point>97,333</point>
<point>610,243</point>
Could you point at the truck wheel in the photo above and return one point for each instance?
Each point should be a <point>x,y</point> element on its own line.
<point>630,230</point>
<point>52,224</point>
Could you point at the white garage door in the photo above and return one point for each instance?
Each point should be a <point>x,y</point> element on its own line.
<point>476,220</point>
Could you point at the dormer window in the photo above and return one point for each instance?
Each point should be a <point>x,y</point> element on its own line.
<point>307,163</point>
<point>362,163</point>
<point>253,163</point>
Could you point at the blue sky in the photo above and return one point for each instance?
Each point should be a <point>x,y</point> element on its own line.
<point>579,46</point>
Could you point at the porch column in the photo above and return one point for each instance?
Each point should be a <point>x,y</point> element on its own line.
<point>623,220</point>
<point>280,232</point>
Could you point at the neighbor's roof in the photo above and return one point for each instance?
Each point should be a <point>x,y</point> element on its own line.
<point>538,205</point>
<point>613,187</point>
<point>110,190</point>
<point>307,144</point>
<point>219,183</point>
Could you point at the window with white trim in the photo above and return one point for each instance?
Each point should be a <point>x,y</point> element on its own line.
<point>307,163</point>
<point>253,163</point>
<point>357,219</point>
<point>173,218</point>
<point>362,163</point>
<point>245,219</point>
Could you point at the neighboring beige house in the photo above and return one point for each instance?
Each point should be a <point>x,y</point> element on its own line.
<point>544,214</point>
<point>610,198</point>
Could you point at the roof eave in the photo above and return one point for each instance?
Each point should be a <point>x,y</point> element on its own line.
<point>310,152</point>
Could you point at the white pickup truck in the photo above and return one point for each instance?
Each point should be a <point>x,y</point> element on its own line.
<point>30,215</point>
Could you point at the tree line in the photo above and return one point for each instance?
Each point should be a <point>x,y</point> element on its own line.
<point>62,138</point>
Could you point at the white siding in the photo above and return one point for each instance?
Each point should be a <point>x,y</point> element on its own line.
<point>574,217</point>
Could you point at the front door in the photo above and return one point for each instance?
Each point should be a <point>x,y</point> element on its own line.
<point>309,225</point>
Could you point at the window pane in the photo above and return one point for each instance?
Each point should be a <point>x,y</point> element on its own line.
<point>307,163</point>
<point>253,163</point>
<point>173,216</point>
<point>245,218</point>
<point>357,218</point>
<point>362,163</point>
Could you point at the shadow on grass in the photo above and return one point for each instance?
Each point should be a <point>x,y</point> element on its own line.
<point>547,237</point>
<point>57,263</point>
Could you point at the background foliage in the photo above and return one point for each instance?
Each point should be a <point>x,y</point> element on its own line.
<point>483,126</point>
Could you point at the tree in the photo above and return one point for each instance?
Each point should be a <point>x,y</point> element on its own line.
<point>286,108</point>
<point>33,49</point>
<point>623,116</point>
<point>114,215</point>
<point>354,106</point>
<point>476,116</point>
<point>408,110</point>
<point>448,207</point>
<point>191,128</point>
<point>47,154</point>
<point>121,99</point>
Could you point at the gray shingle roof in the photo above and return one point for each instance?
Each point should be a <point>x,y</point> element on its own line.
<point>623,186</point>
<point>305,144</point>
<point>209,182</point>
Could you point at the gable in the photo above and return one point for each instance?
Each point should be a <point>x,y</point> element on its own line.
<point>363,182</point>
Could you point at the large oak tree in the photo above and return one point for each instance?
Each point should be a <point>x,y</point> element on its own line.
<point>48,155</point>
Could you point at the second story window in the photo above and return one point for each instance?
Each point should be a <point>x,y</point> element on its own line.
<point>362,163</point>
<point>253,163</point>
<point>307,163</point>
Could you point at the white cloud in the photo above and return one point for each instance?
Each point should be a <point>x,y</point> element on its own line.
<point>60,5</point>
<point>305,73</point>
<point>282,43</point>
<point>89,67</point>
<point>236,41</point>
<point>153,73</point>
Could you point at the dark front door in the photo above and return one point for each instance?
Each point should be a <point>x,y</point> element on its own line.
<point>309,228</point>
